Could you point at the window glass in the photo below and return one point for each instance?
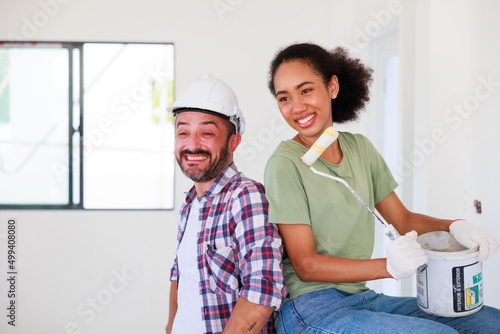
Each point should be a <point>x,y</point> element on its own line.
<point>128,142</point>
<point>33,124</point>
<point>108,102</point>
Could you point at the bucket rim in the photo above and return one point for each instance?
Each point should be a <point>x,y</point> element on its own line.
<point>466,253</point>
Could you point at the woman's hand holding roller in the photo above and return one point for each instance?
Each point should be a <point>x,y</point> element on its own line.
<point>404,256</point>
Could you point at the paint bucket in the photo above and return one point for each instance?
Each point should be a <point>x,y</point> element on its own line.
<point>451,285</point>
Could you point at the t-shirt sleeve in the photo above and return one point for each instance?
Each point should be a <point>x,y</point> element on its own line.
<point>285,192</point>
<point>382,178</point>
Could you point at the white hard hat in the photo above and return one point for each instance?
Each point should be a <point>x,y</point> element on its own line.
<point>209,94</point>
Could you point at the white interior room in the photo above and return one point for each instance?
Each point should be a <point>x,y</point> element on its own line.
<point>433,114</point>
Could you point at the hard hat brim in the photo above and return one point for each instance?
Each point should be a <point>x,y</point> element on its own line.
<point>210,112</point>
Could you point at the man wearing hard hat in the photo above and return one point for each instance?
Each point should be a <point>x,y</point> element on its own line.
<point>227,274</point>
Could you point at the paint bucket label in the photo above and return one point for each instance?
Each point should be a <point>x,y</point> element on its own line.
<point>467,287</point>
<point>451,284</point>
<point>422,290</point>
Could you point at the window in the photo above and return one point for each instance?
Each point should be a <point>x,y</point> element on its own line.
<point>84,125</point>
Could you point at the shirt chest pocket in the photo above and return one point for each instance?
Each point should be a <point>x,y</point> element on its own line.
<point>222,270</point>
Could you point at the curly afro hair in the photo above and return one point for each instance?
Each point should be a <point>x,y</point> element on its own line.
<point>353,76</point>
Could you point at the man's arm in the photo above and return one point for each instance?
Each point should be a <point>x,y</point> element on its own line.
<point>247,317</point>
<point>172,309</point>
<point>259,254</point>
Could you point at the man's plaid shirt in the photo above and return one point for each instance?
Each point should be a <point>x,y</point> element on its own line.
<point>239,252</point>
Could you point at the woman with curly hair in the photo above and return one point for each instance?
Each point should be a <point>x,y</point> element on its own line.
<point>328,235</point>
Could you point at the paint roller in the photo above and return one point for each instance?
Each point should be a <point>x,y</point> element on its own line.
<point>327,138</point>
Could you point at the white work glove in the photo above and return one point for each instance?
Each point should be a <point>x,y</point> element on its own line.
<point>471,236</point>
<point>404,256</point>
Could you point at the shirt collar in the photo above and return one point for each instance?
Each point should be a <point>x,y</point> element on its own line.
<point>216,186</point>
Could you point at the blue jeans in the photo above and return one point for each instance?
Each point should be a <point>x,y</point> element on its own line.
<point>334,311</point>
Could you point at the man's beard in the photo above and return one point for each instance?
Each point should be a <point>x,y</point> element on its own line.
<point>210,172</point>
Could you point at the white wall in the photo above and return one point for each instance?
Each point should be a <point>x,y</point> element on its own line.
<point>69,258</point>
<point>450,144</point>
<point>464,85</point>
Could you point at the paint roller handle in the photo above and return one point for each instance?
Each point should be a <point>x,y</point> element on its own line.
<point>391,232</point>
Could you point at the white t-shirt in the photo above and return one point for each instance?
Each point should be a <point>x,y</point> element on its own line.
<point>189,301</point>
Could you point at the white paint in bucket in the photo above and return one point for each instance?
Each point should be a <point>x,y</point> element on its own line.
<point>451,285</point>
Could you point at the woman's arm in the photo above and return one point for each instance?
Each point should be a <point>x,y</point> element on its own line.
<point>310,266</point>
<point>395,213</point>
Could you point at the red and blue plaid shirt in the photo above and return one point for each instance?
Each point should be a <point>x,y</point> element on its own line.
<point>239,252</point>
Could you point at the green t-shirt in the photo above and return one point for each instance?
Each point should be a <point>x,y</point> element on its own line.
<point>341,225</point>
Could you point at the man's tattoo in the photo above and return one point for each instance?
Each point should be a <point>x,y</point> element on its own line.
<point>252,326</point>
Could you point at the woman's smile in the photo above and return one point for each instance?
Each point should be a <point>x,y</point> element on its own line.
<point>304,121</point>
